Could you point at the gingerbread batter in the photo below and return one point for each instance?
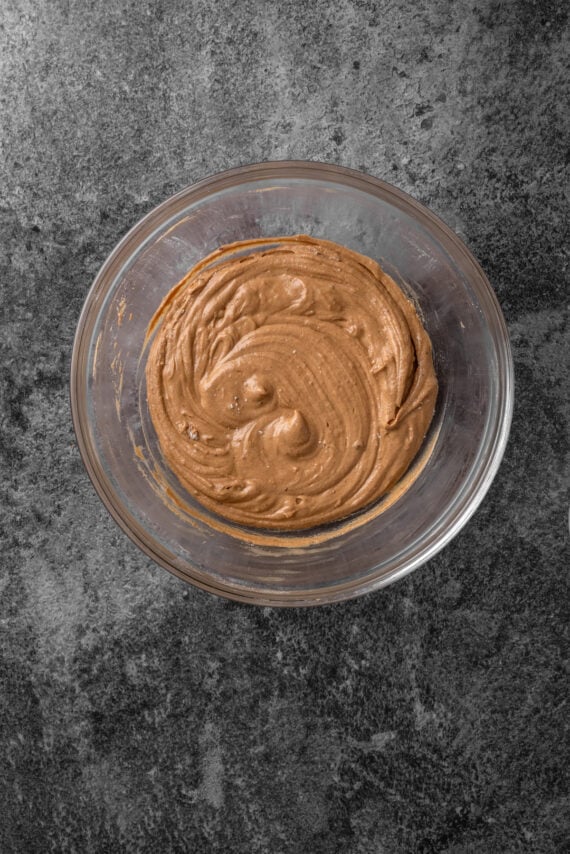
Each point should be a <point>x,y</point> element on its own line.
<point>289,386</point>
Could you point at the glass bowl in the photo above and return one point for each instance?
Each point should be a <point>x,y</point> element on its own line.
<point>472,358</point>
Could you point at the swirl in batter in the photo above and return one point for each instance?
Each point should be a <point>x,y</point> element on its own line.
<point>289,386</point>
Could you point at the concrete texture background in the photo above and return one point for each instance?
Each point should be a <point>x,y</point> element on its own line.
<point>140,715</point>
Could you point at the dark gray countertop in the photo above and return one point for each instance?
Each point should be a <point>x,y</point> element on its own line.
<point>140,715</point>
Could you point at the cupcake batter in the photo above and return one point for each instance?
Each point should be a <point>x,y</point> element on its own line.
<point>291,386</point>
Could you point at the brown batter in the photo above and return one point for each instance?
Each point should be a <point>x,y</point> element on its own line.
<point>290,386</point>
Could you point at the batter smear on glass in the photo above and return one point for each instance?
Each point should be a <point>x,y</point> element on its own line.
<point>289,386</point>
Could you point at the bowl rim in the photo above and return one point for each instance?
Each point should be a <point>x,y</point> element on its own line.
<point>438,536</point>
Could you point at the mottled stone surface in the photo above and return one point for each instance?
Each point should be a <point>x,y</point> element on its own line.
<point>140,715</point>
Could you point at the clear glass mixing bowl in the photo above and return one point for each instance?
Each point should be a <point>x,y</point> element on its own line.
<point>471,354</point>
